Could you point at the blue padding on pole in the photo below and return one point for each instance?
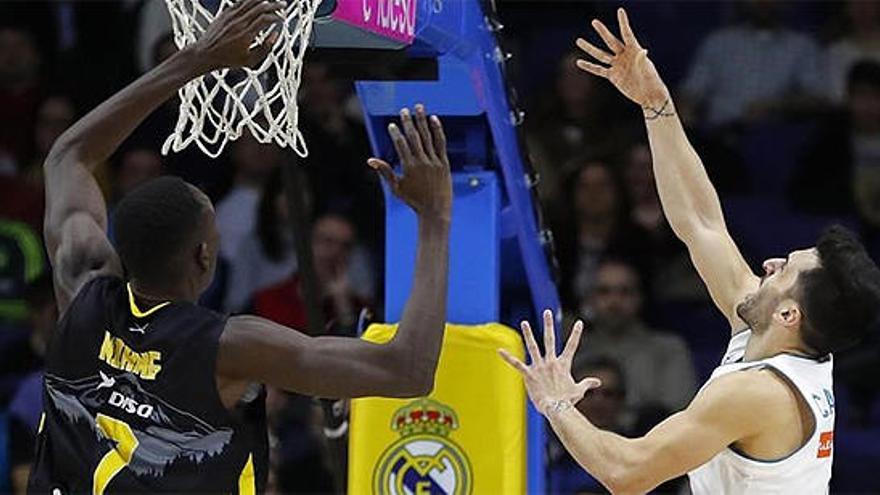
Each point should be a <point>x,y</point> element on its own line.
<point>452,94</point>
<point>474,256</point>
<point>470,95</point>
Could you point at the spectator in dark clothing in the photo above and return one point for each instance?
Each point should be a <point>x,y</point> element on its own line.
<point>658,365</point>
<point>26,405</point>
<point>54,115</point>
<point>723,78</point>
<point>334,244</point>
<point>337,145</point>
<point>574,114</point>
<point>266,255</point>
<point>840,173</point>
<point>674,276</point>
<point>597,222</point>
<point>20,91</point>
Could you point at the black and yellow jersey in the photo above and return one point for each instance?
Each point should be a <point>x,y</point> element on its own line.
<point>131,403</point>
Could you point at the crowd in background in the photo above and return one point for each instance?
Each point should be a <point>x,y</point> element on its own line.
<point>781,99</point>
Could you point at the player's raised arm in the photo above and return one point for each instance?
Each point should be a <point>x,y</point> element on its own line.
<point>721,414</point>
<point>76,214</point>
<point>257,350</point>
<point>689,200</point>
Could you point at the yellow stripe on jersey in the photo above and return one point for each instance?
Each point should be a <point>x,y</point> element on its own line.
<point>42,423</point>
<point>247,482</point>
<point>136,311</point>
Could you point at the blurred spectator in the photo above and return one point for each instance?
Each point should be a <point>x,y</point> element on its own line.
<point>300,465</point>
<point>27,403</point>
<point>237,211</point>
<point>860,41</point>
<point>54,115</point>
<point>22,262</point>
<point>153,28</point>
<point>753,69</point>
<point>266,256</point>
<point>658,367</point>
<point>21,201</point>
<point>639,179</point>
<point>597,222</point>
<point>135,166</point>
<point>573,115</point>
<point>604,407</point>
<point>129,169</point>
<point>20,91</point>
<point>841,170</point>
<point>334,247</point>
<point>338,149</point>
<point>673,277</point>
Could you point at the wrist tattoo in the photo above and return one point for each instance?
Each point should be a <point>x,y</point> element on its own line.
<point>652,113</point>
<point>556,406</point>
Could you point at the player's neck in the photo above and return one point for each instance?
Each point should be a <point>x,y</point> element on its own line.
<point>150,296</point>
<point>767,344</point>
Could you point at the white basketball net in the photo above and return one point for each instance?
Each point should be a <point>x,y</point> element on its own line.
<point>217,107</point>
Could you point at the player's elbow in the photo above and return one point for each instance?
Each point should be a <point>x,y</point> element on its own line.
<point>65,149</point>
<point>414,388</point>
<point>418,382</point>
<point>626,480</point>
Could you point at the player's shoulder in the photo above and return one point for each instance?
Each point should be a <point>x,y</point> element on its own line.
<point>100,289</point>
<point>740,394</point>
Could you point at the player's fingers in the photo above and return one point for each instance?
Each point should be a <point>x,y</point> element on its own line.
<point>588,383</point>
<point>258,53</point>
<point>549,334</point>
<point>439,138</point>
<point>610,40</point>
<point>400,144</point>
<point>262,21</point>
<point>625,30</point>
<point>597,53</point>
<point>592,68</point>
<point>412,135</point>
<point>385,171</point>
<point>240,6</point>
<point>531,343</point>
<point>424,130</point>
<point>574,341</point>
<point>513,361</point>
<point>248,9</point>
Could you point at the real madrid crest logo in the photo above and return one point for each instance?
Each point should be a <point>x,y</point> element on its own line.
<point>424,460</point>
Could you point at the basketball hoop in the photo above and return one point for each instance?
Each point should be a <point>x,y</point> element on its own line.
<point>217,107</point>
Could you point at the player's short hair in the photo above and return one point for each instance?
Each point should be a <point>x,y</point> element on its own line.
<point>153,224</point>
<point>840,298</point>
<point>864,73</point>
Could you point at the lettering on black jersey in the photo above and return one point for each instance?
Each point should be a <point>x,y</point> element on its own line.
<point>118,355</point>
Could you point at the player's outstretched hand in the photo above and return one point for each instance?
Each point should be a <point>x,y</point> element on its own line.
<point>426,183</point>
<point>548,378</point>
<point>229,39</point>
<point>625,63</point>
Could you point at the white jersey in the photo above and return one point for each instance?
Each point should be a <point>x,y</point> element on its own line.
<point>808,469</point>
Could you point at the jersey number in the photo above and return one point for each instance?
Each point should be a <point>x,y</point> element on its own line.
<point>119,456</point>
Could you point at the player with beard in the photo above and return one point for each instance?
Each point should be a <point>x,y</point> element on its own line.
<point>764,421</point>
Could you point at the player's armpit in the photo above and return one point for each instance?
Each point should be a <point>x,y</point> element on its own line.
<point>257,350</point>
<point>722,413</point>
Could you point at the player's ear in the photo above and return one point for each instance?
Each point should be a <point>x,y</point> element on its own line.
<point>203,256</point>
<point>788,314</point>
